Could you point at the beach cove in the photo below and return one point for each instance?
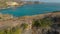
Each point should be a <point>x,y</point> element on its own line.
<point>32,9</point>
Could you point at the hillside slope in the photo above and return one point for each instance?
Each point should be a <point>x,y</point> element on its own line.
<point>35,23</point>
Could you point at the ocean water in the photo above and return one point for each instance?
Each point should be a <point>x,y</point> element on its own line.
<point>32,9</point>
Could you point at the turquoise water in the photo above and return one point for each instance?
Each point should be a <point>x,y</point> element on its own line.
<point>32,9</point>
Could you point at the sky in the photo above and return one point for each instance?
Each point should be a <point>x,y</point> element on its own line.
<point>57,1</point>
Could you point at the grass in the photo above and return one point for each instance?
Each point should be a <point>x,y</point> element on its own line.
<point>6,31</point>
<point>2,32</point>
<point>45,22</point>
<point>3,4</point>
<point>14,30</point>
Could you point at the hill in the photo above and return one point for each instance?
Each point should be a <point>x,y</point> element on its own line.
<point>35,23</point>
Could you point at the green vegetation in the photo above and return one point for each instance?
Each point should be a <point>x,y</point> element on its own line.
<point>24,25</point>
<point>41,24</point>
<point>45,22</point>
<point>11,31</point>
<point>14,30</point>
<point>3,4</point>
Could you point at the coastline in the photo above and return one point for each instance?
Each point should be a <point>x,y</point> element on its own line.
<point>12,5</point>
<point>16,20</point>
<point>9,21</point>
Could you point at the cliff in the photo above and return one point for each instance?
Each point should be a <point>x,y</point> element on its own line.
<point>27,23</point>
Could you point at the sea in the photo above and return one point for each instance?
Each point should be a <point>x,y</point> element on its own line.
<point>32,9</point>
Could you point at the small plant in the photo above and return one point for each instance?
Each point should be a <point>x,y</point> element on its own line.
<point>36,24</point>
<point>24,25</point>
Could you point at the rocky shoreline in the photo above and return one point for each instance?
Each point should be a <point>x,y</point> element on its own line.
<point>26,19</point>
<point>10,4</point>
<point>9,21</point>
